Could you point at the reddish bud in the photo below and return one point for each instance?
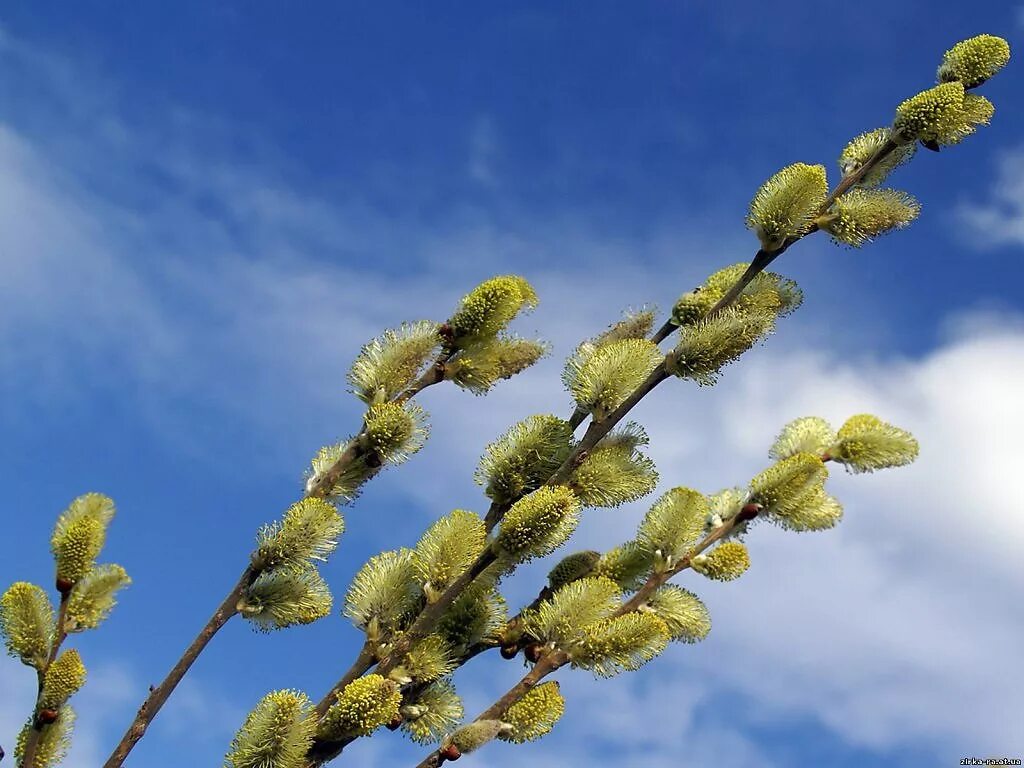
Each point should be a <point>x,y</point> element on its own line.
<point>451,752</point>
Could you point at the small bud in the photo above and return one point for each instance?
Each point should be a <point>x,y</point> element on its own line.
<point>26,622</point>
<point>361,708</point>
<point>863,147</point>
<point>490,307</point>
<point>450,752</point>
<point>388,364</point>
<point>973,61</point>
<point>601,378</point>
<point>64,677</point>
<point>533,652</point>
<point>785,206</point>
<point>535,714</point>
<point>277,732</point>
<point>47,716</point>
<point>572,567</point>
<point>472,736</point>
<point>509,652</point>
<point>866,443</point>
<point>728,561</point>
<point>863,214</point>
<point>538,524</point>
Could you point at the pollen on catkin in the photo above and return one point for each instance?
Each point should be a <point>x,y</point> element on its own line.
<point>538,524</point>
<point>973,61</point>
<point>626,565</point>
<point>428,659</point>
<point>728,561</point>
<point>863,147</point>
<point>684,614</point>
<point>63,679</point>
<point>489,308</point>
<point>866,443</point>
<point>615,472</point>
<point>932,115</point>
<point>673,525</point>
<point>619,643</point>
<point>26,621</point>
<point>602,378</point>
<point>707,346</point>
<point>394,431</point>
<point>309,531</point>
<point>809,434</point>
<point>388,364</point>
<point>480,365</point>
<point>432,712</point>
<point>522,459</point>
<point>363,706</point>
<point>285,597</point>
<point>447,549</point>
<point>785,206</point>
<point>277,733</point>
<point>94,596</point>
<point>535,714</point>
<point>861,215</point>
<point>781,486</point>
<point>384,593</point>
<point>52,744</point>
<point>343,487</point>
<point>767,291</point>
<point>561,619</point>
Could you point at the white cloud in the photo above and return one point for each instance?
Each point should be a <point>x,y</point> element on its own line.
<point>1000,220</point>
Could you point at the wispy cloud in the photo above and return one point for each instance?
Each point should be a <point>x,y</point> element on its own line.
<point>1000,219</point>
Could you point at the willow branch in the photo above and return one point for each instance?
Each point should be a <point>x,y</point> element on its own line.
<point>28,754</point>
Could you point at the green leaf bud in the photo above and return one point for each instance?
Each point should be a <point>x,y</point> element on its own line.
<point>363,706</point>
<point>572,568</point>
<point>535,714</point>
<point>432,712</point>
<point>538,524</point>
<point>973,61</point>
<point>866,443</point>
<point>394,431</point>
<point>388,364</point>
<point>447,549</point>
<point>627,565</point>
<point>26,620</point>
<point>863,147</point>
<point>685,616</point>
<point>489,308</point>
<point>615,472</point>
<point>809,434</point>
<point>276,734</point>
<point>576,605</point>
<point>785,206</point>
<point>708,345</point>
<point>673,525</point>
<point>285,597</point>
<point>93,597</point>
<point>619,644</point>
<point>931,115</point>
<point>428,659</point>
<point>522,459</point>
<point>601,378</point>
<point>384,593</point>
<point>863,214</point>
<point>309,531</point>
<point>52,744</point>
<point>480,365</point>
<point>728,561</point>
<point>64,677</point>
<point>474,735</point>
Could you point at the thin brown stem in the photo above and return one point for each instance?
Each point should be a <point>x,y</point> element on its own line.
<point>158,696</point>
<point>366,659</point>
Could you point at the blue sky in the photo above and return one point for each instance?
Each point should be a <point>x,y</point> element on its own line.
<point>204,213</point>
